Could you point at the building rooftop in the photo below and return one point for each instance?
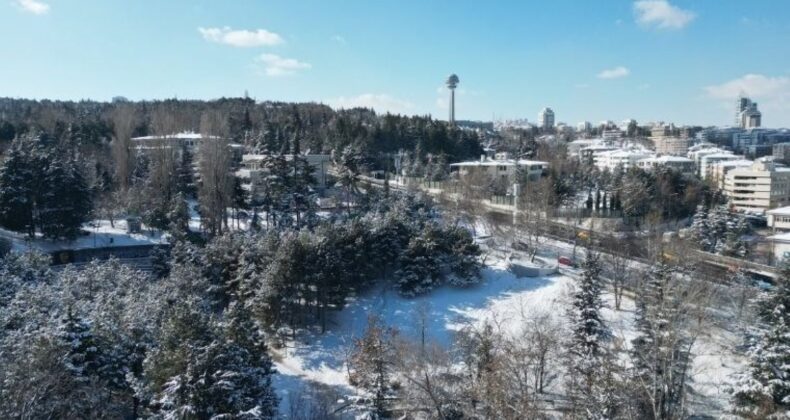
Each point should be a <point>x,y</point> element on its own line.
<point>186,135</point>
<point>508,162</point>
<point>780,211</point>
<point>665,159</point>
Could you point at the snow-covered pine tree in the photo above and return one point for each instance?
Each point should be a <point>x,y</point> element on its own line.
<point>66,203</point>
<point>765,392</point>
<point>370,365</point>
<point>179,217</point>
<point>18,188</point>
<point>661,351</point>
<point>700,230</point>
<point>83,359</point>
<point>419,268</point>
<point>591,365</point>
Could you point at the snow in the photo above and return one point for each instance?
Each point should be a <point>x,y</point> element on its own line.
<point>502,300</point>
<point>100,234</point>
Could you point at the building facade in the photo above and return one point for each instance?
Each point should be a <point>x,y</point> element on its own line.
<point>675,146</point>
<point>546,118</point>
<point>758,188</point>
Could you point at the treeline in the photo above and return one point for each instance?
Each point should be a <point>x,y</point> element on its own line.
<point>44,188</point>
<point>106,341</point>
<point>263,126</point>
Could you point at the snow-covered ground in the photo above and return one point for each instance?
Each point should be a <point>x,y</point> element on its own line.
<point>98,234</point>
<point>504,301</point>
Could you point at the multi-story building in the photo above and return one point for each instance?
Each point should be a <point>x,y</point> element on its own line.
<point>708,161</point>
<point>779,219</point>
<point>678,163</point>
<point>253,172</point>
<point>500,169</point>
<point>761,187</point>
<point>584,127</point>
<point>781,152</point>
<point>546,118</point>
<point>188,141</point>
<point>718,171</point>
<point>611,135</point>
<point>592,154</point>
<point>746,113</point>
<point>676,146</point>
<point>620,159</point>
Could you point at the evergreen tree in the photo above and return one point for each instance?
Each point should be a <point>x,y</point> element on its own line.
<point>179,217</point>
<point>83,357</point>
<point>66,200</point>
<point>765,392</point>
<point>661,351</point>
<point>590,380</point>
<point>371,365</point>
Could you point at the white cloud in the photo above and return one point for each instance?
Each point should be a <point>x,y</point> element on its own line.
<point>33,6</point>
<point>661,14</point>
<point>379,102</point>
<point>753,85</point>
<point>274,65</point>
<point>339,39</point>
<point>614,73</point>
<point>241,38</point>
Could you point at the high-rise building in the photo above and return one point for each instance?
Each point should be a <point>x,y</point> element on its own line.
<point>546,118</point>
<point>746,113</point>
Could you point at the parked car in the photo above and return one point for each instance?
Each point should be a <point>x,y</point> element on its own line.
<point>566,261</point>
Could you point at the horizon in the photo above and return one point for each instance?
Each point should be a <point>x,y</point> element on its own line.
<point>680,61</point>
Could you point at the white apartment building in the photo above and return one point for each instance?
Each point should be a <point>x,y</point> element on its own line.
<point>623,159</point>
<point>758,188</point>
<point>675,146</point>
<point>252,170</point>
<point>592,154</point>
<point>501,168</point>
<point>779,218</point>
<point>708,161</point>
<point>612,135</point>
<point>719,170</point>
<point>679,163</point>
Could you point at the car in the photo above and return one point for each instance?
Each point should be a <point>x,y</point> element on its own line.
<point>566,261</point>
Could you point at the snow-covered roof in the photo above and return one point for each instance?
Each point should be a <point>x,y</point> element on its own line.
<point>509,162</point>
<point>780,211</point>
<point>627,153</point>
<point>668,159</point>
<point>185,135</point>
<point>782,237</point>
<point>734,163</point>
<point>725,155</point>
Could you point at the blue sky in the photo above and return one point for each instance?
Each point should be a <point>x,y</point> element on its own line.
<point>682,61</point>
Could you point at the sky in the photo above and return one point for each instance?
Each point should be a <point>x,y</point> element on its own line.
<point>677,61</point>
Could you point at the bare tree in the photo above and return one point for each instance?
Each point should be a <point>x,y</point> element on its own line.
<point>618,268</point>
<point>216,179</point>
<point>122,149</point>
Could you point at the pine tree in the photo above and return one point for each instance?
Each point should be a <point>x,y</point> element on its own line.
<point>371,365</point>
<point>765,392</point>
<point>83,357</point>
<point>179,217</point>
<point>207,370</point>
<point>590,378</point>
<point>661,351</point>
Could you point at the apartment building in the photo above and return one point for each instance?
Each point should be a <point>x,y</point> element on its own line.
<point>678,163</point>
<point>758,188</point>
<point>675,146</point>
